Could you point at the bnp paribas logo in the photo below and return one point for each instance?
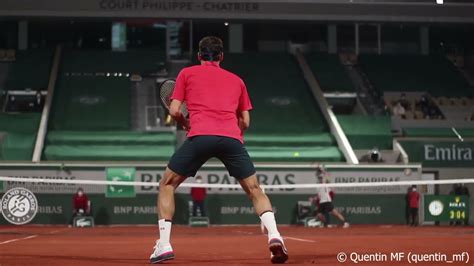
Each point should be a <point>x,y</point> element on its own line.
<point>120,174</point>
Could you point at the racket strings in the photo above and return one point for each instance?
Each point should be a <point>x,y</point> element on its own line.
<point>166,91</point>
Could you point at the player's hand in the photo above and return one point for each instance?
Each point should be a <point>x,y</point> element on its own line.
<point>242,125</point>
<point>186,125</point>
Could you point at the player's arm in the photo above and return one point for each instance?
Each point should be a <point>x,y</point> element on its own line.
<point>244,107</point>
<point>244,120</point>
<point>175,112</point>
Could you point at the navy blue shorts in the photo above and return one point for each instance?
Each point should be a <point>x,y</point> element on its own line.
<point>197,150</point>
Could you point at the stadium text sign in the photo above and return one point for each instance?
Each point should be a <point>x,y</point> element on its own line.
<point>178,6</point>
<point>440,153</point>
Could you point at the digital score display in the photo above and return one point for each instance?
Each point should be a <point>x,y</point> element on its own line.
<point>446,208</point>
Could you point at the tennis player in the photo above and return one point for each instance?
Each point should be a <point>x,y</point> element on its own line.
<point>325,206</point>
<point>218,106</point>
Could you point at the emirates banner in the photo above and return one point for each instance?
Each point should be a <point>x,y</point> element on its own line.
<point>440,153</point>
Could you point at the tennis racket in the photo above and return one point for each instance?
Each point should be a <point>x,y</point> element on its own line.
<point>166,90</point>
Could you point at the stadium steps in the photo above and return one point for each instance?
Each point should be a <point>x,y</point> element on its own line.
<point>295,154</point>
<point>109,145</point>
<point>109,137</point>
<point>108,152</point>
<point>285,140</point>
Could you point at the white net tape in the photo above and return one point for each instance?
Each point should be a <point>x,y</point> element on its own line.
<point>287,186</point>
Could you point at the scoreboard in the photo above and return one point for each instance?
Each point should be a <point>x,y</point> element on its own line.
<point>446,208</point>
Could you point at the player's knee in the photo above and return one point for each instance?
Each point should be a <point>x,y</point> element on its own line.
<point>169,178</point>
<point>254,191</point>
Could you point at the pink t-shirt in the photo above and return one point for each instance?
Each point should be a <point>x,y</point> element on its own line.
<point>214,98</point>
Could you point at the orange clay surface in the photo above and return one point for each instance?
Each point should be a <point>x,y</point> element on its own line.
<point>229,245</point>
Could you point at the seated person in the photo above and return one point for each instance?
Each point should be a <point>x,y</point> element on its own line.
<point>403,101</point>
<point>399,110</point>
<point>80,204</point>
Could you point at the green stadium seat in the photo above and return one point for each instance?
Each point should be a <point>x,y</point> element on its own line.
<point>20,135</point>
<point>286,118</point>
<point>366,132</point>
<point>412,73</point>
<point>91,117</point>
<point>31,69</point>
<point>91,103</point>
<point>329,72</point>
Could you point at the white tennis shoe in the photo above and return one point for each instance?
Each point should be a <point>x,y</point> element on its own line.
<point>161,252</point>
<point>279,253</point>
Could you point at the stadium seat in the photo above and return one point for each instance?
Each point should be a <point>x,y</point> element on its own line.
<point>330,72</point>
<point>31,69</point>
<point>366,132</point>
<point>90,118</point>
<point>19,135</point>
<point>411,73</point>
<point>287,124</point>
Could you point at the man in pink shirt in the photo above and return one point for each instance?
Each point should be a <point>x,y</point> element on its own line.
<point>218,105</point>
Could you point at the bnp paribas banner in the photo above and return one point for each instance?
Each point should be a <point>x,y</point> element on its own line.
<point>214,176</point>
<point>440,153</point>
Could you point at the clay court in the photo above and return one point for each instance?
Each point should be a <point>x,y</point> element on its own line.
<point>235,245</point>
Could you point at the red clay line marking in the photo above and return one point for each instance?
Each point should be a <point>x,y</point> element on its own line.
<point>17,239</point>
<point>299,239</point>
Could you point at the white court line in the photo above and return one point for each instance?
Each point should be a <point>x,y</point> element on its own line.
<point>285,237</point>
<point>244,232</point>
<point>30,236</point>
<point>57,231</point>
<point>18,239</point>
<point>299,239</point>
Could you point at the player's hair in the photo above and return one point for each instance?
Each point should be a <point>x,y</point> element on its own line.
<point>210,48</point>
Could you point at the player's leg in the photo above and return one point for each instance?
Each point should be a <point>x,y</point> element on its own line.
<point>263,208</point>
<point>327,217</point>
<point>259,199</point>
<point>322,217</point>
<point>166,207</point>
<point>195,206</point>
<point>168,185</point>
<point>184,163</point>
<point>416,216</point>
<point>201,208</point>
<point>339,216</point>
<point>237,161</point>
<point>413,214</point>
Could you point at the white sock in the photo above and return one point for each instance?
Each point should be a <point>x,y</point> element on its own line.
<point>268,219</point>
<point>165,230</point>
